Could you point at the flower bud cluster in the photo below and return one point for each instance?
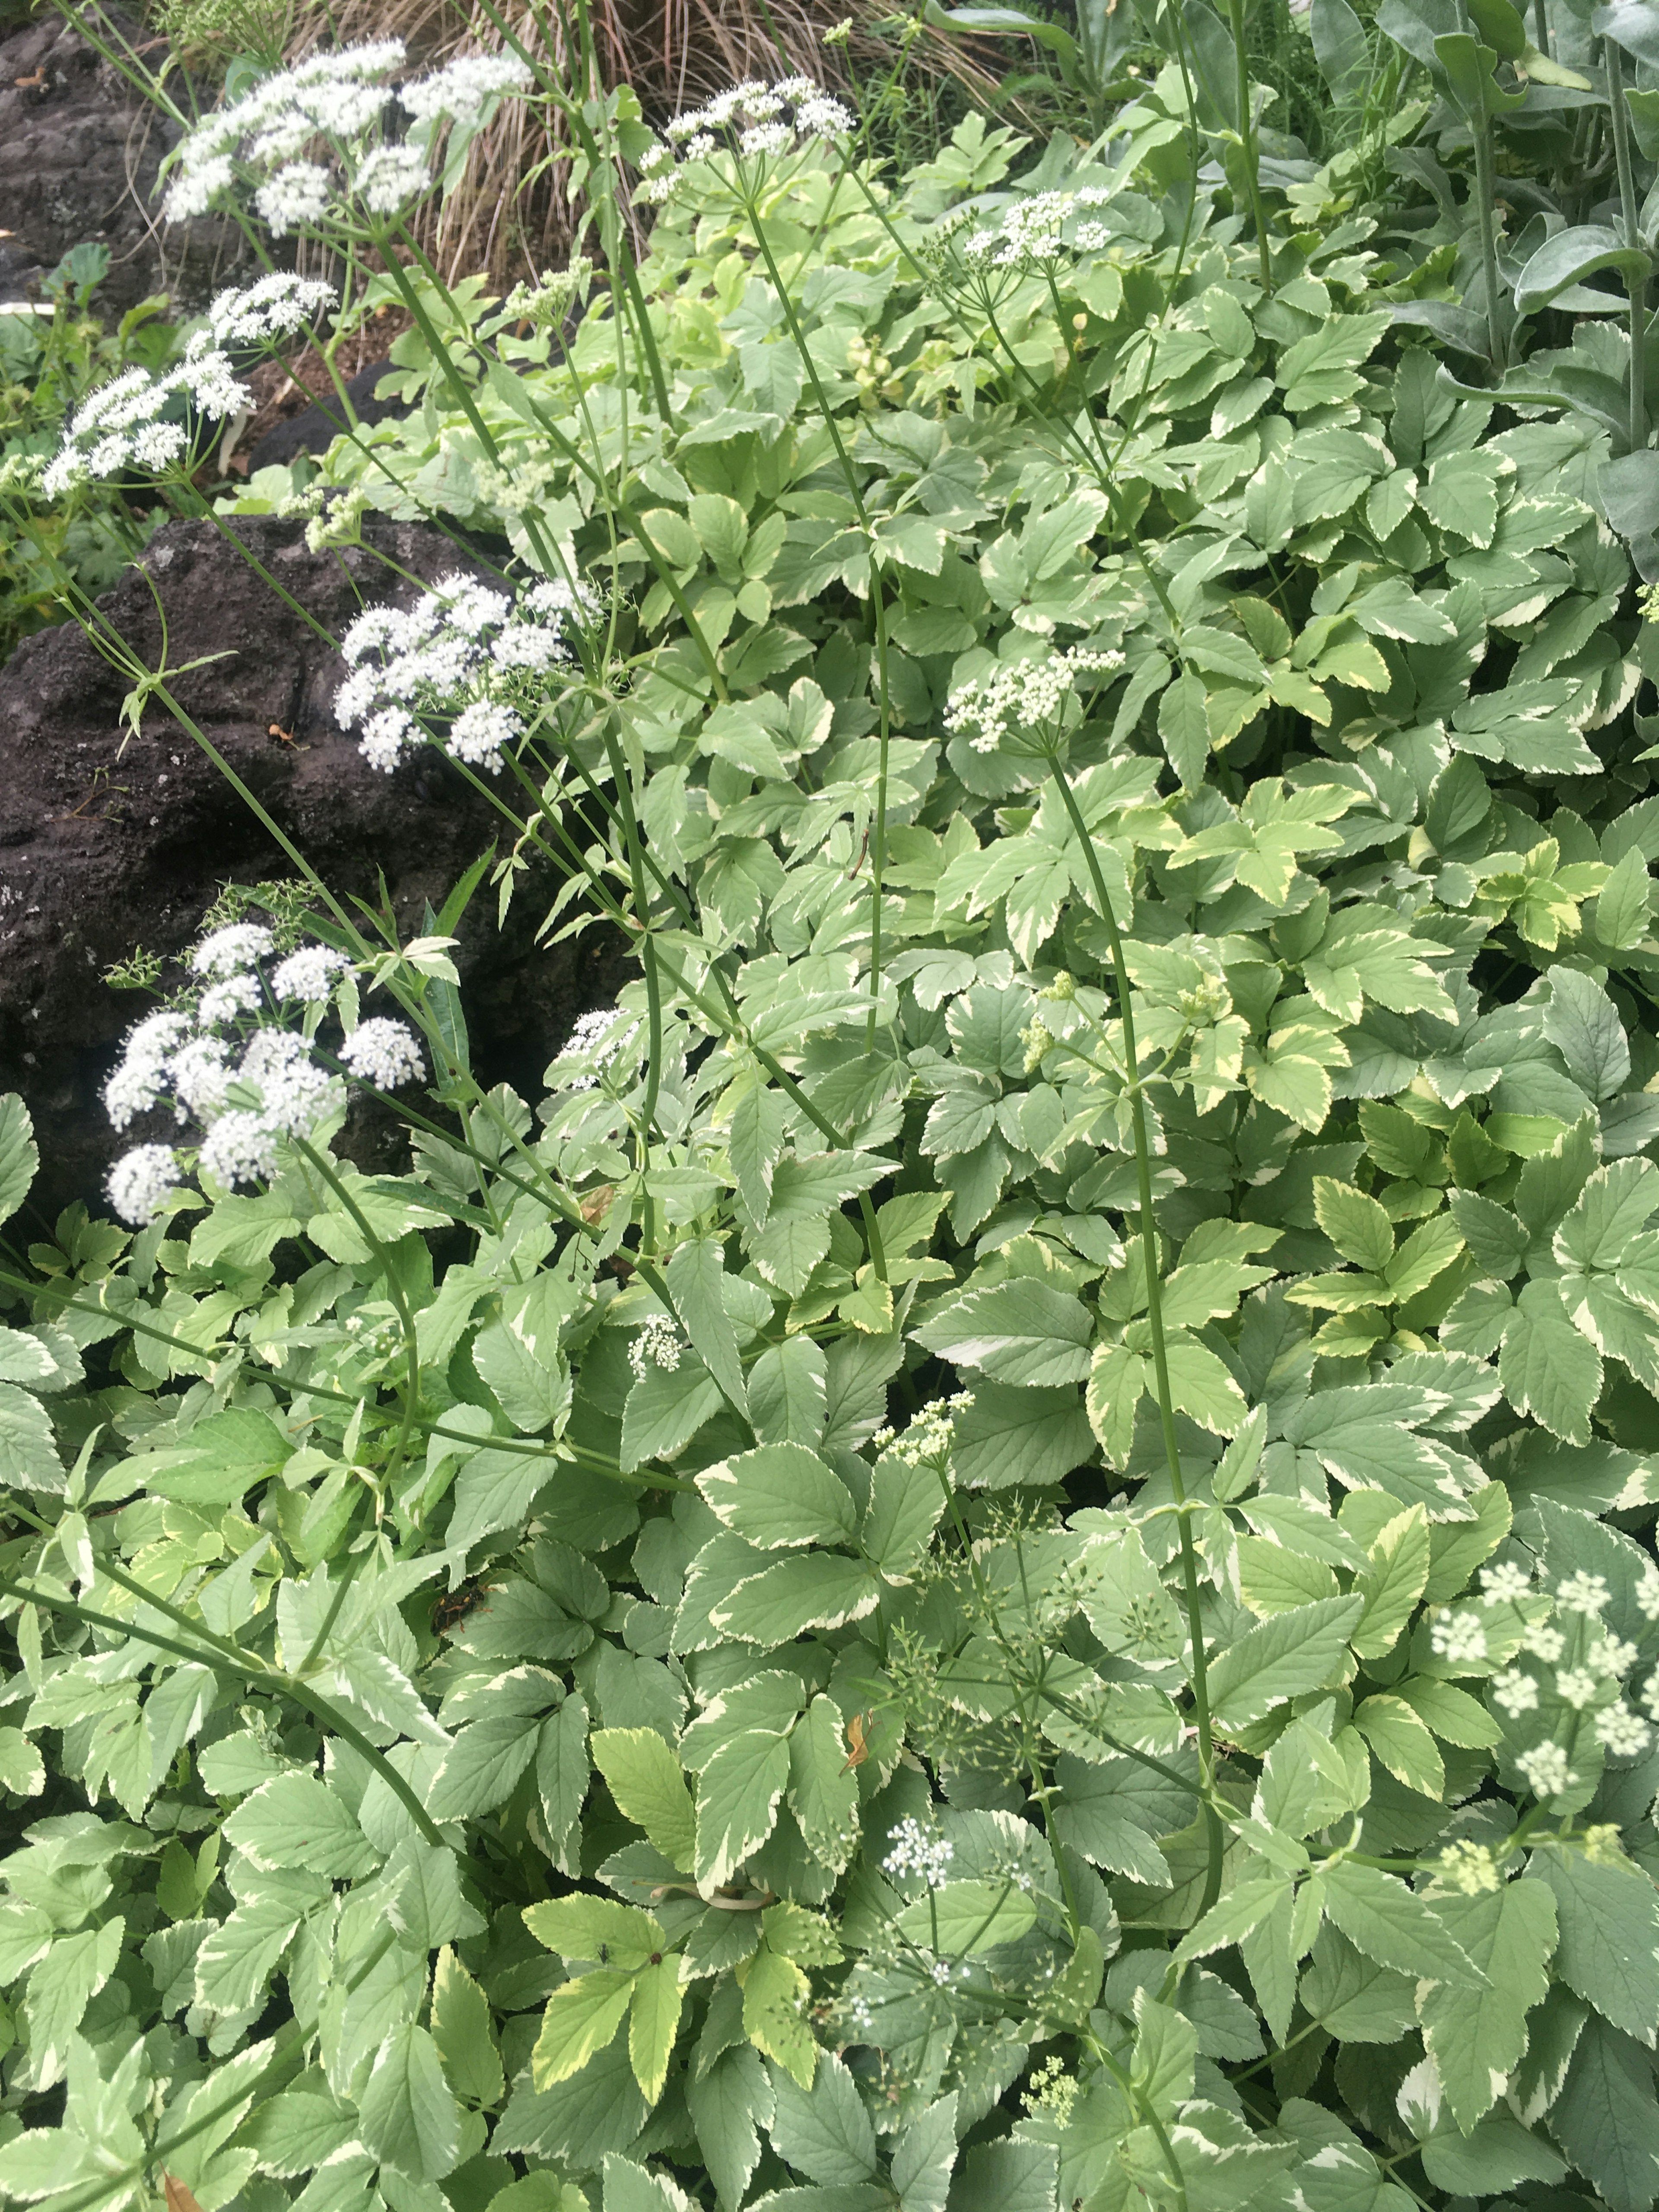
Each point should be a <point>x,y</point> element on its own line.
<point>1032,230</point>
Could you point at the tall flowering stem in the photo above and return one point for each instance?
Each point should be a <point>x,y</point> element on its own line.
<point>1215,1840</point>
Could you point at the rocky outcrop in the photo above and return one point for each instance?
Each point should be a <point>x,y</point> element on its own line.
<point>111,840</point>
<point>80,150</point>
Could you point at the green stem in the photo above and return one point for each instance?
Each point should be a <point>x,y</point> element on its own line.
<point>1247,135</point>
<point>1215,1839</point>
<point>1636,287</point>
<point>243,1666</point>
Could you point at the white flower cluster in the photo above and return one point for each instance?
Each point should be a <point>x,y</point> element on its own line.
<point>1459,1638</point>
<point>930,1435</point>
<point>1590,1687</point>
<point>1021,694</point>
<point>245,1090</point>
<point>464,653</point>
<point>545,302</point>
<point>460,89</point>
<point>597,1039</point>
<point>307,139</point>
<point>336,98</point>
<point>658,1344</point>
<point>1032,230</point>
<point>276,306</point>
<point>751,120</point>
<point>914,1852</point>
<point>120,425</point>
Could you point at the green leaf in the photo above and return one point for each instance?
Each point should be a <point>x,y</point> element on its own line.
<point>1477,2037</point>
<point>818,1589</point>
<point>665,1409</point>
<point>1392,1585</point>
<point>1623,905</point>
<point>1402,1743</point>
<point>582,2016</point>
<point>28,1456</point>
<point>19,1155</point>
<point>464,2033</point>
<point>1608,1951</point>
<point>406,2115</point>
<point>728,2100</point>
<point>1549,1369</point>
<point>1280,1659</point>
<point>598,1930</point>
<point>296,1820</point>
<point>653,2020</point>
<point>695,1274</point>
<point>968,1917</point>
<point>1390,1924</point>
<point>1361,1231</point>
<point>1498,2153</point>
<point>823,1791</point>
<point>1583,1023</point>
<point>1605,2119</point>
<point>1353,1997</point>
<point>825,2134</point>
<point>1018,1332</point>
<point>482,1765</point>
<point>1497,1241</point>
<point>650,1789</point>
<point>1183,725</point>
<point>737,1794</point>
<point>218,1460</point>
<point>788,1392</point>
<point>781,1496</point>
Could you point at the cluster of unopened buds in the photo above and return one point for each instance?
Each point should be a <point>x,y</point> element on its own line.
<point>222,1055</point>
<point>872,373</point>
<point>466,654</point>
<point>752,121</point>
<point>305,143</point>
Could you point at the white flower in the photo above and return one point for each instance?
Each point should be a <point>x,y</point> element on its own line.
<point>222,1002</point>
<point>479,732</point>
<point>157,446</point>
<point>276,306</point>
<point>295,196</point>
<point>1504,1583</point>
<point>384,1052</point>
<point>231,948</point>
<point>1514,1691</point>
<point>309,973</point>
<point>1021,694</point>
<point>1646,1595</point>
<point>390,176</point>
<point>914,1851</point>
<point>1576,1687</point>
<point>1613,1655</point>
<point>200,1072</point>
<point>296,1093</point>
<point>240,1147</point>
<point>1547,1770</point>
<point>384,736</point>
<point>461,87</point>
<point>196,189</point>
<point>599,1038</point>
<point>1458,1638</point>
<point>1584,1593</point>
<point>1545,1643</point>
<point>140,1181</point>
<point>658,1344</point>
<point>1625,1733</point>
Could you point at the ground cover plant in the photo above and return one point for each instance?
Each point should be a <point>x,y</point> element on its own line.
<point>1002,1553</point>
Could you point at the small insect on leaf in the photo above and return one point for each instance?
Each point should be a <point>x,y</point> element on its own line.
<point>859,1750</point>
<point>179,2199</point>
<point>456,1606</point>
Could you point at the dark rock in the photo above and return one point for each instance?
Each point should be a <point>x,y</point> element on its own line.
<point>79,153</point>
<point>315,430</point>
<point>109,841</point>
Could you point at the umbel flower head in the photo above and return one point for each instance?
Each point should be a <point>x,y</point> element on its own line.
<point>307,143</point>
<point>752,120</point>
<point>465,654</point>
<point>226,1057</point>
<point>124,425</point>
